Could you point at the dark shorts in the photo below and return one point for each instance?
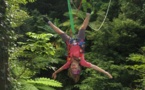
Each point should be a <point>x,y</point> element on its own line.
<point>80,35</point>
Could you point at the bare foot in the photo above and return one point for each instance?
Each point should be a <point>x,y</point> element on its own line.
<point>109,75</point>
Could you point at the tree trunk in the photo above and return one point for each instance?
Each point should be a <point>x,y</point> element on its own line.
<point>4,82</point>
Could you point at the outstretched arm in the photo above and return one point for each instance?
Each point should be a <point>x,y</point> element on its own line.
<point>101,70</point>
<point>55,28</point>
<point>84,63</point>
<point>65,66</point>
<point>54,75</point>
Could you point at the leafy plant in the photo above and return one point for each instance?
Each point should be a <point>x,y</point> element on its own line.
<point>45,82</point>
<point>27,59</point>
<point>138,66</point>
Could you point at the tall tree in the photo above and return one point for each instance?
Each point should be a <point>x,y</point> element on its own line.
<point>4,83</point>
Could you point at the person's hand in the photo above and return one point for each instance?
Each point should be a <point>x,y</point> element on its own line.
<point>54,75</point>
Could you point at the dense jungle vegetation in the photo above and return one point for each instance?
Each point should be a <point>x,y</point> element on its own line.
<point>31,50</point>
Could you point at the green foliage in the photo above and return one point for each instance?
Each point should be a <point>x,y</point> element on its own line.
<point>37,84</point>
<point>28,87</point>
<point>138,65</point>
<point>35,54</point>
<point>18,70</point>
<point>85,87</point>
<point>40,42</point>
<point>32,57</point>
<point>15,15</point>
<point>45,81</point>
<point>41,87</point>
<point>115,47</point>
<point>4,44</point>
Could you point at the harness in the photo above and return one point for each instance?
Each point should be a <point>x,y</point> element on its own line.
<point>75,48</point>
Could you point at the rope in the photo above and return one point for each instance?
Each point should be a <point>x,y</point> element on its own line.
<point>105,16</point>
<point>71,17</point>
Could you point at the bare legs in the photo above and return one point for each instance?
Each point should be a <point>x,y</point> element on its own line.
<point>81,33</point>
<point>83,26</point>
<point>101,70</point>
<point>86,22</point>
<point>56,29</point>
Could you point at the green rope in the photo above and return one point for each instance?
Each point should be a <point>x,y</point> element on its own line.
<point>71,17</point>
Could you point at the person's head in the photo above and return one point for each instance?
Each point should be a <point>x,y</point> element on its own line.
<point>74,71</point>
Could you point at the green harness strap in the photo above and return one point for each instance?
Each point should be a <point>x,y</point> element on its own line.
<point>71,17</point>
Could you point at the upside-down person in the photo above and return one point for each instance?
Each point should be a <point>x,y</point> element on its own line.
<point>75,47</point>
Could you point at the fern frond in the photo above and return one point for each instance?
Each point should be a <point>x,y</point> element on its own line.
<point>43,87</point>
<point>28,87</point>
<point>45,81</point>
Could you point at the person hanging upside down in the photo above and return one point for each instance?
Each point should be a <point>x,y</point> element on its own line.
<point>75,47</point>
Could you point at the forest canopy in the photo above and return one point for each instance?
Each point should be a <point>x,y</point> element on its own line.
<point>31,51</point>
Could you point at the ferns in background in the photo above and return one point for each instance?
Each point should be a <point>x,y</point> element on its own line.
<point>45,82</point>
<point>28,58</point>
